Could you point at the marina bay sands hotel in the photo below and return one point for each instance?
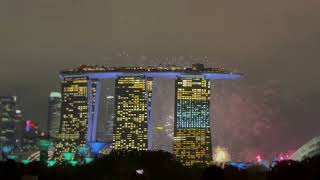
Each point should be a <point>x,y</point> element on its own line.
<point>81,91</point>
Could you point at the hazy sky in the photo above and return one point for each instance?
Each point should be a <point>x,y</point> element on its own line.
<point>275,43</point>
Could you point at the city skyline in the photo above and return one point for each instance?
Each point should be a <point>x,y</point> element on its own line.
<point>275,44</point>
<point>219,142</point>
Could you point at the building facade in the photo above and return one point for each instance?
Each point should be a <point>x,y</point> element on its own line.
<point>192,134</point>
<point>132,113</point>
<point>74,119</point>
<point>54,114</point>
<point>308,150</point>
<point>8,108</point>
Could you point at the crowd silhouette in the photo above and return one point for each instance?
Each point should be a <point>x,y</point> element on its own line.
<point>157,165</point>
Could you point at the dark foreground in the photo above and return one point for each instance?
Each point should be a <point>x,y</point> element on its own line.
<point>157,166</point>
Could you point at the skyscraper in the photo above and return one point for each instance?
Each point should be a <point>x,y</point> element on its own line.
<point>54,114</point>
<point>192,135</point>
<point>74,120</point>
<point>7,120</point>
<point>19,128</point>
<point>133,106</point>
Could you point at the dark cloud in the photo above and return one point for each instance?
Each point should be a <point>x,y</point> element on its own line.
<point>275,43</point>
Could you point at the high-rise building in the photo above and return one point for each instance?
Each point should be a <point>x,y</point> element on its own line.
<point>19,128</point>
<point>74,120</point>
<point>54,114</point>
<point>192,135</point>
<point>133,106</point>
<point>7,120</point>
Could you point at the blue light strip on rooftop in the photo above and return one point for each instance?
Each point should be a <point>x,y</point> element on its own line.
<point>110,75</point>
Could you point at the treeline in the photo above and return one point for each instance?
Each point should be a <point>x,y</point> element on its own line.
<point>157,166</point>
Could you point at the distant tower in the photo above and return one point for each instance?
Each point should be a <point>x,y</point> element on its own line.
<point>19,127</point>
<point>192,135</point>
<point>133,106</point>
<point>7,120</point>
<point>54,114</point>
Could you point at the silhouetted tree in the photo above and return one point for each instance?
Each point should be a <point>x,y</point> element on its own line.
<point>288,170</point>
<point>158,165</point>
<point>213,172</point>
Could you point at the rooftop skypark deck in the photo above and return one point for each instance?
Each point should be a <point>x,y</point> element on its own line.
<point>103,72</point>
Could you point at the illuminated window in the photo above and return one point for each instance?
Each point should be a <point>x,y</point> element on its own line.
<point>133,102</point>
<point>192,142</point>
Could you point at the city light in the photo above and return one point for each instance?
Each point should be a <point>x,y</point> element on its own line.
<point>88,160</point>
<point>140,171</point>
<point>55,95</point>
<point>68,156</point>
<point>30,125</point>
<point>284,155</point>
<point>44,144</point>
<point>83,149</point>
<point>73,163</point>
<point>7,149</point>
<point>51,163</point>
<point>25,161</point>
<point>104,72</point>
<point>12,157</point>
<point>160,129</point>
<point>221,155</point>
<point>239,165</point>
<point>258,158</point>
<point>96,147</point>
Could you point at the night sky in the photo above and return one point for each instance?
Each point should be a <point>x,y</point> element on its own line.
<point>275,43</point>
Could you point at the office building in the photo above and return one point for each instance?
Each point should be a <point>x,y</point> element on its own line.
<point>309,150</point>
<point>54,114</point>
<point>192,135</point>
<point>133,105</point>
<point>8,108</point>
<point>74,120</point>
